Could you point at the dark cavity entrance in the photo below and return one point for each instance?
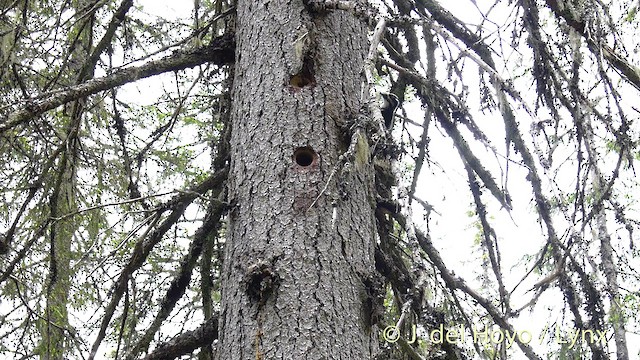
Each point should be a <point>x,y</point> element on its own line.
<point>305,156</point>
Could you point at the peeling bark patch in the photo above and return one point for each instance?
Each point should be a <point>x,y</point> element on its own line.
<point>261,280</point>
<point>305,157</point>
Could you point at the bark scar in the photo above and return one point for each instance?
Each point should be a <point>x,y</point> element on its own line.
<point>373,304</point>
<point>261,280</point>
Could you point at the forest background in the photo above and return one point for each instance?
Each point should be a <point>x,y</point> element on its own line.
<point>503,198</point>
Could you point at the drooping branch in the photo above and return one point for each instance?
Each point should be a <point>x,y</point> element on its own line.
<point>33,189</point>
<point>488,239</point>
<point>472,41</point>
<point>187,342</point>
<point>116,20</point>
<point>402,280</point>
<point>597,46</point>
<point>444,105</point>
<point>144,246</point>
<point>424,138</point>
<point>454,282</point>
<point>219,52</point>
<point>181,281</point>
<point>408,289</point>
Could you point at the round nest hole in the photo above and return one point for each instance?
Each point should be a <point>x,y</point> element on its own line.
<point>305,156</point>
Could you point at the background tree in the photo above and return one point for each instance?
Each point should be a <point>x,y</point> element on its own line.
<point>222,184</point>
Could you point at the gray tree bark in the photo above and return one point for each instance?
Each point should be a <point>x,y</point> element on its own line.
<point>301,232</point>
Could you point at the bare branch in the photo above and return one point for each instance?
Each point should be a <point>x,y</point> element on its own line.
<point>181,281</point>
<point>187,342</point>
<point>626,69</point>
<point>144,246</point>
<point>219,52</point>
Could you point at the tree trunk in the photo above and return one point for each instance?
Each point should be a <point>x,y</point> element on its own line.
<point>54,330</point>
<point>301,231</point>
<point>607,253</point>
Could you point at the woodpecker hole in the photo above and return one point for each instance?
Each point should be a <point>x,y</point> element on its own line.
<point>305,157</point>
<point>305,77</point>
